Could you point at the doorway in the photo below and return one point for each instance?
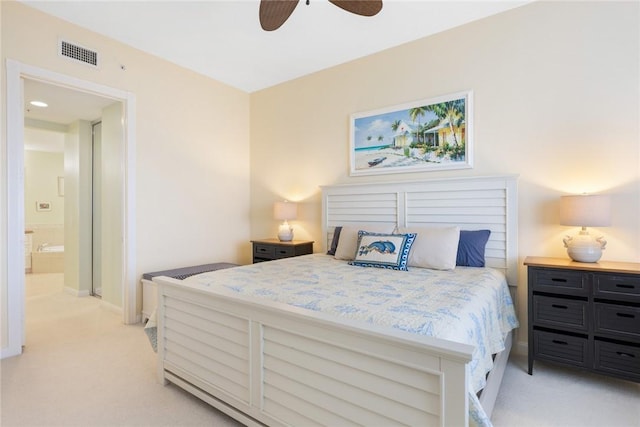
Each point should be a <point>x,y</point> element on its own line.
<point>124,252</point>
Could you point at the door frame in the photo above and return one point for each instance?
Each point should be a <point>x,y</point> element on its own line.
<point>15,72</point>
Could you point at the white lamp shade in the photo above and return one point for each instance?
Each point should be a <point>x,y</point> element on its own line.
<point>585,210</point>
<point>285,210</point>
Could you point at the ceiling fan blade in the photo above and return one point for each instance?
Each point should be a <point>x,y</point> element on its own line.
<point>274,13</point>
<point>360,7</point>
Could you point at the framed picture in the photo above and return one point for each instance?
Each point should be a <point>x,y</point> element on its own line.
<point>431,134</point>
<point>43,206</point>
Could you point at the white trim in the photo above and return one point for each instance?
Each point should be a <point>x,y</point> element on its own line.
<point>16,71</point>
<point>76,292</point>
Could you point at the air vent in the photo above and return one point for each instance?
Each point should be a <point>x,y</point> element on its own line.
<point>78,53</point>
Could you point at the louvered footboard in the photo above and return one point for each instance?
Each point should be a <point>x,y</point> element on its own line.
<point>277,365</point>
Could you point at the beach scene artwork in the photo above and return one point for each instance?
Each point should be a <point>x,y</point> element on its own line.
<point>431,134</point>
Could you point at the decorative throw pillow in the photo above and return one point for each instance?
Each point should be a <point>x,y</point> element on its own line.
<point>334,241</point>
<point>348,241</point>
<point>435,247</point>
<point>472,247</point>
<point>383,250</point>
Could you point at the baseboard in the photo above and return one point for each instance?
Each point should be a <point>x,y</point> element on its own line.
<point>76,292</point>
<point>521,348</point>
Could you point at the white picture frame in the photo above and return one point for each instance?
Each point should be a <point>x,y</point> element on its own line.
<point>425,135</point>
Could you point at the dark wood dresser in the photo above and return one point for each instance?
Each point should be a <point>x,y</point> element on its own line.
<point>270,249</point>
<point>585,315</point>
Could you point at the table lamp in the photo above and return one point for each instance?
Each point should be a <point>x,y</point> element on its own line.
<point>585,211</point>
<point>285,211</point>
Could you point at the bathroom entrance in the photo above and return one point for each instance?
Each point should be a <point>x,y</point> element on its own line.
<point>118,217</point>
<point>65,186</point>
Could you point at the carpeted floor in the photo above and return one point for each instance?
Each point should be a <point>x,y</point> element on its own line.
<point>83,367</point>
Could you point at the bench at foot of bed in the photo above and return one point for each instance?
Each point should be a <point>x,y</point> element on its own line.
<point>150,290</point>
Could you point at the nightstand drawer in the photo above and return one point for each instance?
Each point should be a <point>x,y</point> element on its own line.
<point>617,286</point>
<point>618,359</point>
<point>284,252</point>
<point>617,319</point>
<point>560,312</point>
<point>272,249</point>
<point>560,282</point>
<point>561,348</point>
<point>266,251</point>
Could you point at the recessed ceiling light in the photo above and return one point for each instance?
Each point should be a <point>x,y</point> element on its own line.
<point>39,104</point>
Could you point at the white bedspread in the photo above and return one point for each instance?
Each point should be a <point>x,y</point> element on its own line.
<point>467,305</point>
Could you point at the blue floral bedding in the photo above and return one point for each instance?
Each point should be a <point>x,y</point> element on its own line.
<point>469,305</point>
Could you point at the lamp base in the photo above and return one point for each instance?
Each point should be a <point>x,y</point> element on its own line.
<point>584,248</point>
<point>285,233</point>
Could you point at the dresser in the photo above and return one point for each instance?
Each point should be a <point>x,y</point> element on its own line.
<point>585,315</point>
<point>270,249</point>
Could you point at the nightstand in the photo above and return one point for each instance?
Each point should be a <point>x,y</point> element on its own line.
<point>270,249</point>
<point>585,315</point>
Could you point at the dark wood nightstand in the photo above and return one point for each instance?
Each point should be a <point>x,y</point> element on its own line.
<point>270,249</point>
<point>585,315</point>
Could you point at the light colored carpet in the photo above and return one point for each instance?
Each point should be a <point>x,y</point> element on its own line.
<point>83,367</point>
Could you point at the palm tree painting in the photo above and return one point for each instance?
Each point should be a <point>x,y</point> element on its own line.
<point>432,134</point>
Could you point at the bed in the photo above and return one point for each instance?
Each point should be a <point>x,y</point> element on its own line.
<point>231,339</point>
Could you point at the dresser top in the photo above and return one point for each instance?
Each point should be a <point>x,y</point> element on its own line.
<point>603,266</point>
<point>278,242</point>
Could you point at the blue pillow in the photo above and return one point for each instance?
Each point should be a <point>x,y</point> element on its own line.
<point>334,242</point>
<point>383,250</point>
<point>471,248</point>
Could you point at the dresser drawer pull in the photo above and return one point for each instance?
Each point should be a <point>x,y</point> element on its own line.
<point>559,306</point>
<point>625,286</point>
<point>627,315</point>
<point>559,342</point>
<point>262,249</point>
<point>558,279</point>
<point>623,354</point>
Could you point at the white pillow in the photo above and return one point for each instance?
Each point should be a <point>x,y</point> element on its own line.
<point>348,242</point>
<point>434,247</point>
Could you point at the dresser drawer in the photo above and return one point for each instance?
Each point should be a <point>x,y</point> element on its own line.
<point>618,359</point>
<point>561,348</point>
<point>284,251</point>
<point>560,281</point>
<point>617,319</point>
<point>265,251</point>
<point>560,312</point>
<point>617,287</point>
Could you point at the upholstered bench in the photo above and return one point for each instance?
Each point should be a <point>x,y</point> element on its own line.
<point>150,291</point>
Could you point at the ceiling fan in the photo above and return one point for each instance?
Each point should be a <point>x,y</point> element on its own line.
<point>274,13</point>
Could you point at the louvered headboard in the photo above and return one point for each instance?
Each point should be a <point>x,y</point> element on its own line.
<point>472,203</point>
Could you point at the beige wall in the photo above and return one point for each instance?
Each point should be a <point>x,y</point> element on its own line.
<point>555,100</point>
<point>41,172</point>
<point>192,144</point>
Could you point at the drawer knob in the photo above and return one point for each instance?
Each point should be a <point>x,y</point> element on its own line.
<point>627,315</point>
<point>559,342</point>
<point>558,279</point>
<point>623,354</point>
<point>624,286</point>
<point>559,306</point>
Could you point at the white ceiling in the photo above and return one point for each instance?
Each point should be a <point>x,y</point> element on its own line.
<point>224,40</point>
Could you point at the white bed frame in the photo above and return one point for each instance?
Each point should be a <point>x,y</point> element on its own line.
<point>277,365</point>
